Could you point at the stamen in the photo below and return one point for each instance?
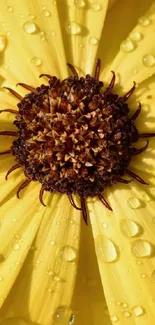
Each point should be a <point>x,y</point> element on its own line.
<point>41,193</point>
<point>136,151</point>
<point>72,202</point>
<point>104,201</point>
<point>146,135</point>
<point>11,133</point>
<point>22,186</point>
<point>112,82</point>
<point>135,115</point>
<point>26,86</point>
<point>130,92</point>
<point>45,75</point>
<point>84,210</point>
<point>12,169</point>
<point>122,180</point>
<point>97,69</point>
<point>9,110</point>
<point>73,70</point>
<point>136,177</point>
<point>5,152</point>
<point>13,92</point>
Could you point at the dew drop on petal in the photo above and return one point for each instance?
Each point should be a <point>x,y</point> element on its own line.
<point>56,278</point>
<point>142,248</point>
<point>93,41</point>
<point>104,225</point>
<point>146,197</point>
<point>52,242</point>
<point>129,228</point>
<point>153,275</point>
<point>30,27</point>
<point>9,9</point>
<point>62,315</point>
<point>148,60</point>
<point>144,21</point>
<point>127,46</point>
<point>114,318</point>
<point>68,253</point>
<point>16,321</point>
<point>46,13</point>
<point>135,36</point>
<point>79,3</point>
<point>1,278</point>
<point>73,28</point>
<point>16,247</point>
<point>126,314</point>
<point>36,61</point>
<point>134,203</point>
<point>124,305</point>
<point>31,16</point>
<point>3,43</point>
<point>143,275</point>
<point>105,249</point>
<point>96,6</point>
<point>138,311</point>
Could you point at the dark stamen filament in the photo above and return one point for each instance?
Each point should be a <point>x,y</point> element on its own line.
<point>73,70</point>
<point>12,169</point>
<point>146,135</point>
<point>26,86</point>
<point>45,75</point>
<point>136,151</point>
<point>135,115</point>
<point>5,152</point>
<point>22,186</point>
<point>130,92</point>
<point>9,110</point>
<point>136,177</point>
<point>11,133</point>
<point>121,180</point>
<point>104,201</point>
<point>84,210</point>
<point>97,69</point>
<point>72,202</point>
<point>112,82</point>
<point>13,92</point>
<point>41,193</point>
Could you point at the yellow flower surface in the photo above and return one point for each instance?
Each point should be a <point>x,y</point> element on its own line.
<point>54,269</point>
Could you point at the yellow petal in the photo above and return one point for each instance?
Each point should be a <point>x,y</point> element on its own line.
<point>125,251</point>
<point>50,268</point>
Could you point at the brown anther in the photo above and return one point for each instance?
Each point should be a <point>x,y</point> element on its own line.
<point>22,186</point>
<point>84,209</point>
<point>104,201</point>
<point>30,88</point>
<point>10,133</point>
<point>130,92</point>
<point>112,82</point>
<point>136,177</point>
<point>72,202</point>
<point>73,70</point>
<point>9,110</point>
<point>97,69</point>
<point>12,169</point>
<point>13,92</point>
<point>137,151</point>
<point>5,152</point>
<point>41,193</point>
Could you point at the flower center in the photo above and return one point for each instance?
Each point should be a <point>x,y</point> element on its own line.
<point>75,137</point>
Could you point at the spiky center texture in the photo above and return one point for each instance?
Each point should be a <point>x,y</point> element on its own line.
<point>74,137</point>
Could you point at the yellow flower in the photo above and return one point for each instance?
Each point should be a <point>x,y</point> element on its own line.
<point>54,268</point>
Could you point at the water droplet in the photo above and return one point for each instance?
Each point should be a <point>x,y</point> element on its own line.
<point>146,197</point>
<point>62,314</point>
<point>1,278</point>
<point>114,318</point>
<point>153,275</point>
<point>17,236</point>
<point>118,303</point>
<point>42,37</point>
<point>46,13</point>
<point>144,21</point>
<point>73,28</point>
<point>104,225</point>
<point>124,305</point>
<point>105,249</point>
<point>126,314</point>
<point>129,228</point>
<point>52,242</point>
<point>138,311</point>
<point>31,16</point>
<point>30,27</point>
<point>134,203</point>
<point>148,60</point>
<point>79,3</point>
<point>53,33</point>
<point>49,272</point>
<point>14,219</point>
<point>16,321</point>
<point>56,278</point>
<point>3,43</point>
<point>96,6</point>
<point>93,41</point>
<point>36,61</point>
<point>72,319</point>
<point>143,275</point>
<point>127,46</point>
<point>142,248</point>
<point>9,9</point>
<point>16,247</point>
<point>68,253</point>
<point>135,36</point>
